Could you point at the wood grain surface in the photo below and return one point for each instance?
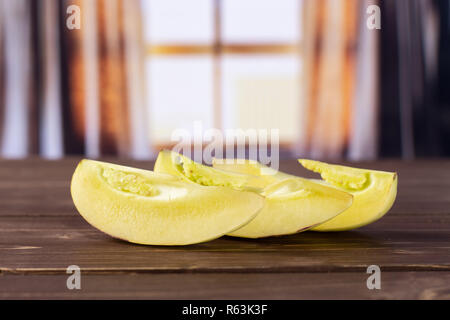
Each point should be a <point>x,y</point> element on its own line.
<point>41,234</point>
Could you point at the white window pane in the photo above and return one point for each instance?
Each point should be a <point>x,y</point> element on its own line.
<point>261,21</point>
<point>178,21</point>
<point>262,92</point>
<point>180,92</point>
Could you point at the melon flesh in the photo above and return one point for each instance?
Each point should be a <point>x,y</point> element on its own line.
<point>266,174</point>
<point>173,163</point>
<point>145,207</point>
<point>292,205</point>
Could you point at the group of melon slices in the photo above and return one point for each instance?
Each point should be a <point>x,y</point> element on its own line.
<point>184,202</point>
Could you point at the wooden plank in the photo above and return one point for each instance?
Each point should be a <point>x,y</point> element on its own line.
<point>352,285</point>
<point>41,232</point>
<point>50,244</point>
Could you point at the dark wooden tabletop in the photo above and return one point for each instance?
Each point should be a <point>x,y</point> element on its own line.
<point>41,234</point>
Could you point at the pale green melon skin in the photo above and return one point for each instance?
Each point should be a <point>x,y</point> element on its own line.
<point>179,214</point>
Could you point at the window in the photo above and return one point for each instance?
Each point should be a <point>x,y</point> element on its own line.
<point>226,63</point>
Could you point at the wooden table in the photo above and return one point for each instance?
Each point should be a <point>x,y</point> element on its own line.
<point>41,234</point>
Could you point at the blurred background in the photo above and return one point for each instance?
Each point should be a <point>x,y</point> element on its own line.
<point>136,70</point>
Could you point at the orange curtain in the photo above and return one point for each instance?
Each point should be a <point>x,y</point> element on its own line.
<point>102,100</point>
<point>332,31</point>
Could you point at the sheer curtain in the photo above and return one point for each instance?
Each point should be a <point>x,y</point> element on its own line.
<point>340,80</point>
<point>72,91</point>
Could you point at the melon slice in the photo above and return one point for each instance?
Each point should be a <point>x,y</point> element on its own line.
<point>144,207</point>
<point>374,193</point>
<point>292,205</point>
